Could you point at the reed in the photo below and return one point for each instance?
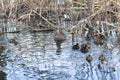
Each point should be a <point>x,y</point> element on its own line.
<point>81,11</point>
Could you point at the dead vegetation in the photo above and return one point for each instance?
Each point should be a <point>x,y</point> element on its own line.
<point>49,12</point>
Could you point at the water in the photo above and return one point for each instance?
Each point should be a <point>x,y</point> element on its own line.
<point>35,58</point>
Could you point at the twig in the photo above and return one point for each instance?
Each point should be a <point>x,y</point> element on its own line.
<point>44,19</point>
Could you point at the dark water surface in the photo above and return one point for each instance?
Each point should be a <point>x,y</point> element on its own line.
<point>35,58</point>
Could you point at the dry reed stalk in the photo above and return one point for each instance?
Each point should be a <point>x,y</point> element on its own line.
<point>44,19</point>
<point>39,6</point>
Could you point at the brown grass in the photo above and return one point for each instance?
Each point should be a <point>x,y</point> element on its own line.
<point>36,10</point>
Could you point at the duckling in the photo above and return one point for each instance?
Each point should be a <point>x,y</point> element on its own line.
<point>102,57</point>
<point>76,46</point>
<point>85,47</point>
<point>88,37</point>
<point>101,36</point>
<point>14,40</point>
<point>89,58</point>
<point>99,42</point>
<point>96,33</point>
<point>102,41</point>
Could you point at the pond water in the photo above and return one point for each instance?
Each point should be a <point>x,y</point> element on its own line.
<point>35,58</point>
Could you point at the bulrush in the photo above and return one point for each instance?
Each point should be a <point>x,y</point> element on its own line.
<point>89,58</point>
<point>76,46</point>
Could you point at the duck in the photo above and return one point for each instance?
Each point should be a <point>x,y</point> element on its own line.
<point>76,46</point>
<point>59,38</point>
<point>102,57</point>
<point>101,36</point>
<point>14,40</point>
<point>99,42</point>
<point>85,47</point>
<point>89,58</point>
<point>88,37</point>
<point>96,33</point>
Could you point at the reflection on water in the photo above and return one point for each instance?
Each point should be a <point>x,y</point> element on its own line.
<point>35,58</point>
<point>2,75</point>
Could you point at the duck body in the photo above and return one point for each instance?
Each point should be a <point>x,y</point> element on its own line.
<point>76,46</point>
<point>102,57</point>
<point>89,58</point>
<point>85,47</point>
<point>100,40</point>
<point>14,40</point>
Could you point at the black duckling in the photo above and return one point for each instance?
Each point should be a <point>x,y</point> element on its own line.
<point>76,46</point>
<point>101,57</point>
<point>85,47</point>
<point>59,38</point>
<point>89,58</point>
<point>14,40</point>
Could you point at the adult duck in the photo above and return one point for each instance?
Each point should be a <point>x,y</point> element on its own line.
<point>59,38</point>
